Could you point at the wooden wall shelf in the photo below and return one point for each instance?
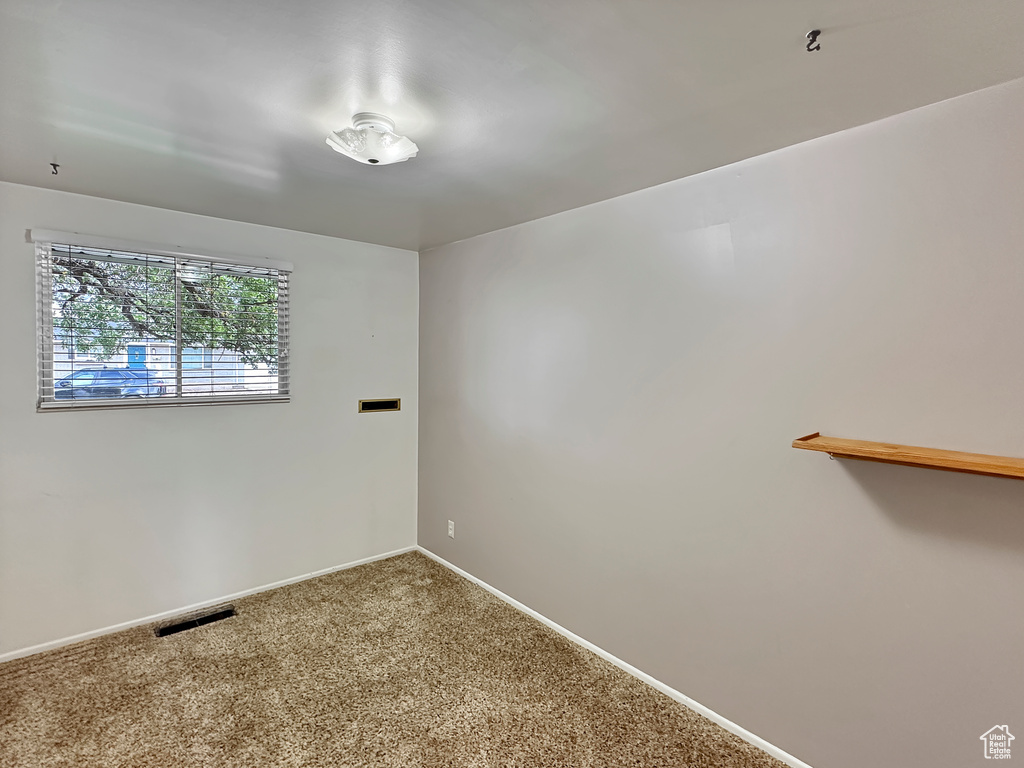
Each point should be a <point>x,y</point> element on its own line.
<point>912,456</point>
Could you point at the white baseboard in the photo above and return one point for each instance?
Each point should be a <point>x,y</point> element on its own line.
<point>686,701</point>
<point>10,655</point>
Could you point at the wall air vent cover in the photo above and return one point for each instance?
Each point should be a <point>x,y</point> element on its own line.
<point>372,406</point>
<point>195,619</point>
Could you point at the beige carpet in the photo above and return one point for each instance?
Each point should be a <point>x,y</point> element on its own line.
<point>396,663</point>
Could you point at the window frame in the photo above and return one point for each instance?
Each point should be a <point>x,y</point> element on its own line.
<point>44,241</point>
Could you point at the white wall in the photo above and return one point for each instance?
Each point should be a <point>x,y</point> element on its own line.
<point>111,516</point>
<point>608,398</point>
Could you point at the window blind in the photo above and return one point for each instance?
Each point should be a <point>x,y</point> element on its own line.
<point>125,328</point>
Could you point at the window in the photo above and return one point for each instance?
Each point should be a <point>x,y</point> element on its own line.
<point>195,357</point>
<point>131,326</point>
<point>192,357</point>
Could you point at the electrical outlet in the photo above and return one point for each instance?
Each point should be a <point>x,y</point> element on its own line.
<point>451,529</point>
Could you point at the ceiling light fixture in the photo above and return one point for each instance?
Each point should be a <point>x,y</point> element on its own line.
<point>372,140</point>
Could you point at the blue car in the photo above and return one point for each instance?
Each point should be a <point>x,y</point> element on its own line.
<point>109,383</point>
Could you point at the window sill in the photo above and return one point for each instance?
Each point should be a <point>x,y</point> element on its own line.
<point>99,404</point>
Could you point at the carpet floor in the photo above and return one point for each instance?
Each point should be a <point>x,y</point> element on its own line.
<point>397,663</point>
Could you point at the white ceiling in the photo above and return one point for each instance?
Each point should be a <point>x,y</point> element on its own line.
<point>521,108</point>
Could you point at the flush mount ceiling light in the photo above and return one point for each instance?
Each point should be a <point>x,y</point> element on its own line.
<point>372,140</point>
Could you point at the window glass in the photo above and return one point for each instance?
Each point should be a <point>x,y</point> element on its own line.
<point>114,321</point>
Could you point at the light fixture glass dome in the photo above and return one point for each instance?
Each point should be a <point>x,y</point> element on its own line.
<point>372,140</point>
